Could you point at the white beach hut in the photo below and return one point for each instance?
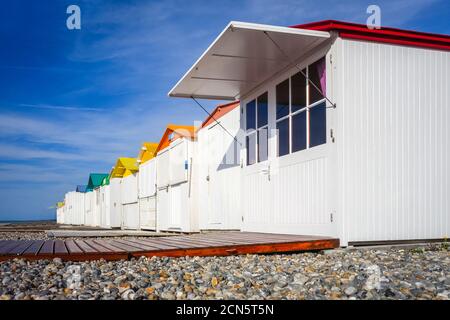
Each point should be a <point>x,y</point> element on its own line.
<point>124,191</point>
<point>176,180</point>
<point>93,201</point>
<point>60,217</point>
<point>147,186</point>
<point>219,171</point>
<point>346,128</point>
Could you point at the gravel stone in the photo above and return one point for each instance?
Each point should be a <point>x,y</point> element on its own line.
<point>391,273</point>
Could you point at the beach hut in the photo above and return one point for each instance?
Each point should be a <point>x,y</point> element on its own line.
<point>219,171</point>
<point>106,219</point>
<point>124,191</point>
<point>176,182</point>
<point>78,199</point>
<point>60,213</point>
<point>147,186</point>
<point>93,199</point>
<point>74,205</point>
<point>345,128</point>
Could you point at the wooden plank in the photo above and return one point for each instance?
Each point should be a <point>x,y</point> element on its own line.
<point>110,247</point>
<point>182,243</point>
<point>7,245</point>
<point>257,238</point>
<point>47,248</point>
<point>10,246</point>
<point>233,239</point>
<point>60,247</point>
<point>142,244</point>
<point>4,243</point>
<point>209,241</point>
<point>127,248</point>
<point>21,248</point>
<point>85,247</point>
<point>160,245</point>
<point>72,247</point>
<point>239,239</point>
<point>97,246</point>
<point>34,248</point>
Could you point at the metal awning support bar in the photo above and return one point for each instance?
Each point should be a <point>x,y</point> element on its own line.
<point>212,117</point>
<point>333,105</point>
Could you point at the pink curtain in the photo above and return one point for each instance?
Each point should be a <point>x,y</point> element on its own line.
<point>322,75</point>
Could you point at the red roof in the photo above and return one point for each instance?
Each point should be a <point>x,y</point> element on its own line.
<point>384,34</point>
<point>219,112</point>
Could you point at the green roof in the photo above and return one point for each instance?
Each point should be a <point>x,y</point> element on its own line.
<point>105,181</point>
<point>95,180</point>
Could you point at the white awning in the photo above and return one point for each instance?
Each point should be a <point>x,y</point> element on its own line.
<point>241,57</point>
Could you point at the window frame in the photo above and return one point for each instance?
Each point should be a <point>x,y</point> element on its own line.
<point>257,129</point>
<point>306,109</point>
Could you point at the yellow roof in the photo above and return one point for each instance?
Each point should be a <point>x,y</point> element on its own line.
<point>147,152</point>
<point>60,204</point>
<point>124,167</point>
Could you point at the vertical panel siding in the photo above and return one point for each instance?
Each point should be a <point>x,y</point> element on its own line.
<point>297,205</point>
<point>115,202</point>
<point>147,179</point>
<point>219,174</point>
<point>393,146</point>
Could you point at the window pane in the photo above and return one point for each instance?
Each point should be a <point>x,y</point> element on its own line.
<point>299,131</point>
<point>298,83</point>
<point>283,99</point>
<point>262,110</point>
<point>318,125</point>
<point>283,137</point>
<point>251,148</point>
<point>262,144</point>
<point>251,115</point>
<point>317,75</point>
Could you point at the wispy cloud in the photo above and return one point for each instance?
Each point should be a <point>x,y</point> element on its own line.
<point>52,107</point>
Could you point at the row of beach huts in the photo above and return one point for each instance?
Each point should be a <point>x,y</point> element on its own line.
<point>340,131</point>
<point>163,187</point>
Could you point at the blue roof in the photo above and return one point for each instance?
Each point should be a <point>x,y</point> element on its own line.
<point>81,188</point>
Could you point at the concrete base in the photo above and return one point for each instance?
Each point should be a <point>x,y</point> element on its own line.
<point>104,233</point>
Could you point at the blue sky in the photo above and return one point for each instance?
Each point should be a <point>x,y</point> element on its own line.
<point>71,102</point>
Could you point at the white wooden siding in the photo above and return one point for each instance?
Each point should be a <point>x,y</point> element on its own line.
<point>115,203</point>
<point>147,178</point>
<point>89,211</point>
<point>162,168</point>
<point>131,216</point>
<point>393,142</point>
<point>219,174</point>
<point>147,213</point>
<point>129,189</point>
<point>178,158</point>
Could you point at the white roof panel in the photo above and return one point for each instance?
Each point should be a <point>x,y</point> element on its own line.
<point>242,56</point>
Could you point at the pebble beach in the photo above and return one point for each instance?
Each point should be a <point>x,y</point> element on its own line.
<point>393,273</point>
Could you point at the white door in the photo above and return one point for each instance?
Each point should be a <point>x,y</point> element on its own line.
<point>215,196</point>
<point>147,210</point>
<point>131,216</point>
<point>178,205</point>
<point>163,208</point>
<point>286,189</point>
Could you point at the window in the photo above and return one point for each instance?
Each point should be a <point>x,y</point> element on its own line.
<point>301,110</point>
<point>257,129</point>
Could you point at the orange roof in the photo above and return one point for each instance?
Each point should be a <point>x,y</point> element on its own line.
<point>219,112</point>
<point>174,132</point>
<point>147,152</point>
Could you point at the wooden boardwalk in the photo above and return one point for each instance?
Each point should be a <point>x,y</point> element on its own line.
<point>207,244</point>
